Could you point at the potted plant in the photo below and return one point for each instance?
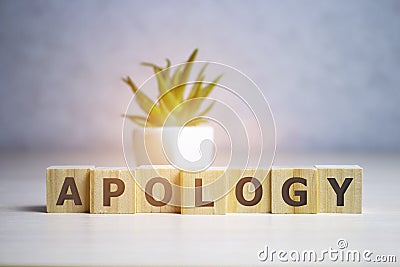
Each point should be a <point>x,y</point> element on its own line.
<point>173,128</point>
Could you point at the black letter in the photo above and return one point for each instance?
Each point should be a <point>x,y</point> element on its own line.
<point>199,195</point>
<point>167,190</point>
<point>69,182</point>
<point>107,194</point>
<point>301,193</point>
<point>340,190</point>
<point>257,194</point>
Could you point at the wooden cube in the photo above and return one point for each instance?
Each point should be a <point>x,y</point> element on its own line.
<point>250,191</point>
<point>340,188</point>
<point>204,192</point>
<point>158,189</point>
<point>67,188</point>
<point>112,190</point>
<point>294,190</point>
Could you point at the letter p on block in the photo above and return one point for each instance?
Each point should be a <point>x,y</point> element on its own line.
<point>112,190</point>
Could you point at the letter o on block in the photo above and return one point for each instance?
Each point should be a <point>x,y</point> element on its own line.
<point>250,190</point>
<point>157,189</point>
<point>257,193</point>
<point>167,191</point>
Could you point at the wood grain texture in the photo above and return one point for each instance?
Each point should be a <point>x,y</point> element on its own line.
<point>241,187</point>
<point>112,190</point>
<point>329,202</point>
<point>280,176</point>
<point>213,189</point>
<point>160,192</point>
<point>74,182</point>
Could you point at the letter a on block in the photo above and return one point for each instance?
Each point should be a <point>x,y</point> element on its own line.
<point>112,190</point>
<point>69,184</point>
<point>340,188</point>
<point>67,188</point>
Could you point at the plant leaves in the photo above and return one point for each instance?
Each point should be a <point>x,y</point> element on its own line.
<point>171,87</point>
<point>185,74</point>
<point>196,87</point>
<point>176,76</point>
<point>207,109</point>
<point>208,89</point>
<point>167,96</point>
<point>166,71</point>
<point>155,67</point>
<point>145,103</point>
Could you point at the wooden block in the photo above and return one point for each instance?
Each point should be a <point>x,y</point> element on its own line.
<point>244,197</point>
<point>112,190</point>
<point>340,188</point>
<point>294,190</point>
<point>67,188</point>
<point>204,192</point>
<point>161,182</point>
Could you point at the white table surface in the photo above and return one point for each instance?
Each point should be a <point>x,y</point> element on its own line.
<point>29,236</point>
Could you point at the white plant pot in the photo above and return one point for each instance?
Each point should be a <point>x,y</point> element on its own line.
<point>187,148</point>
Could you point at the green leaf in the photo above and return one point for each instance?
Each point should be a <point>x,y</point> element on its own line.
<point>207,109</point>
<point>196,87</point>
<point>145,103</point>
<point>176,76</point>
<point>166,71</point>
<point>168,62</point>
<point>199,80</point>
<point>185,74</point>
<point>167,96</point>
<point>192,57</point>
<point>162,83</point>
<point>155,67</point>
<point>200,94</point>
<point>171,87</point>
<point>161,88</point>
<point>208,89</point>
<point>201,73</point>
<point>128,81</point>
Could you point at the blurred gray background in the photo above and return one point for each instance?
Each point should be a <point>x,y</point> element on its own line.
<point>330,69</point>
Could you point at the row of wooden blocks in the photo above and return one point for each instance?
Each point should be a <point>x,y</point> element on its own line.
<point>152,189</point>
